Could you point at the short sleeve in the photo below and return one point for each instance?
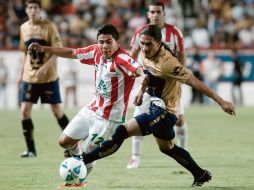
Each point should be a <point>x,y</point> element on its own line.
<point>173,69</point>
<point>86,55</point>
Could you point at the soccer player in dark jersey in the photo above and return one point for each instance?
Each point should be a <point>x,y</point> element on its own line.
<point>38,77</point>
<point>164,74</point>
<point>173,38</point>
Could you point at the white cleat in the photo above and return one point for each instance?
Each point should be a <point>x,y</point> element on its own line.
<point>28,154</point>
<point>133,163</point>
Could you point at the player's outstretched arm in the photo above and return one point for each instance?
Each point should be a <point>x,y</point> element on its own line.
<point>228,107</point>
<point>58,51</point>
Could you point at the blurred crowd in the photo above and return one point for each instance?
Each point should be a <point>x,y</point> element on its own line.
<point>205,23</point>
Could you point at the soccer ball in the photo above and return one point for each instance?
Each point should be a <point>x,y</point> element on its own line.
<point>73,171</point>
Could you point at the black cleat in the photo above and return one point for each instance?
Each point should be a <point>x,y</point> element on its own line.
<point>207,176</point>
<point>68,154</point>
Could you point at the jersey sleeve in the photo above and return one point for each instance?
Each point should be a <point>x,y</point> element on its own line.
<point>172,68</point>
<point>22,46</point>
<point>180,42</point>
<point>135,40</point>
<point>128,64</point>
<point>55,36</point>
<point>86,55</point>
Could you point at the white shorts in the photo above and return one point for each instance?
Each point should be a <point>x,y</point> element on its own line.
<point>181,107</point>
<point>91,128</point>
<point>144,108</point>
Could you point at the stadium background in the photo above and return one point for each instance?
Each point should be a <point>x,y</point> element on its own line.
<point>209,25</point>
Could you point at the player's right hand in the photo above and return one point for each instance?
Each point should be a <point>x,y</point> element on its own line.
<point>138,99</point>
<point>228,107</point>
<point>35,46</point>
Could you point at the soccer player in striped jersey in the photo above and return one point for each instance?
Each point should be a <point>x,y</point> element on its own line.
<point>164,74</point>
<point>173,38</point>
<point>115,73</point>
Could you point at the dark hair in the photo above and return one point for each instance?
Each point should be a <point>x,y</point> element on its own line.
<point>158,3</point>
<point>109,29</point>
<point>153,31</point>
<point>38,2</point>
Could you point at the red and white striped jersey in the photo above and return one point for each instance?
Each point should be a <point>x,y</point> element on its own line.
<point>114,79</point>
<point>171,35</point>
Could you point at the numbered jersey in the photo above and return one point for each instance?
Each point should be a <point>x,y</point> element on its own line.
<point>171,36</point>
<point>114,79</point>
<point>44,33</point>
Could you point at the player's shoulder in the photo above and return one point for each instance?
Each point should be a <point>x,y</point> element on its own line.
<point>164,54</point>
<point>139,29</point>
<point>122,53</point>
<point>173,28</point>
<point>46,22</point>
<point>24,25</point>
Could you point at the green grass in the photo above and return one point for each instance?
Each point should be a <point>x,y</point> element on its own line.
<point>218,142</point>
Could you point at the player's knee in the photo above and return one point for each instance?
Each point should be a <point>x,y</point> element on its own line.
<point>166,149</point>
<point>57,111</point>
<point>180,121</point>
<point>26,113</point>
<point>62,141</point>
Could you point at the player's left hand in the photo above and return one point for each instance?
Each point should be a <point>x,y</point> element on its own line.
<point>228,107</point>
<point>138,99</point>
<point>35,46</point>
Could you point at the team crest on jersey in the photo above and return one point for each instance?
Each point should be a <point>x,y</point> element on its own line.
<point>177,70</point>
<point>102,89</point>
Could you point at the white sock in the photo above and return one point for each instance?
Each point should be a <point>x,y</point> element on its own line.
<point>182,135</point>
<point>75,149</point>
<point>137,142</point>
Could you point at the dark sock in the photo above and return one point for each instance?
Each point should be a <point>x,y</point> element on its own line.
<point>184,158</point>
<point>63,121</point>
<point>107,147</point>
<point>28,134</point>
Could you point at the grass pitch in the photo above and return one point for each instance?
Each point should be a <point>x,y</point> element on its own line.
<point>218,142</point>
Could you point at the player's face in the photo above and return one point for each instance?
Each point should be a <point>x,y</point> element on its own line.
<point>33,11</point>
<point>148,45</point>
<point>156,15</point>
<point>108,45</point>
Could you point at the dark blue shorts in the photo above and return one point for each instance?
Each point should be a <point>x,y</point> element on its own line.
<point>158,122</point>
<point>48,92</point>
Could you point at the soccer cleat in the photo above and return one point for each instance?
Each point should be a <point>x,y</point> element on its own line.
<point>68,154</point>
<point>133,164</point>
<point>207,176</point>
<point>28,154</point>
<point>66,185</point>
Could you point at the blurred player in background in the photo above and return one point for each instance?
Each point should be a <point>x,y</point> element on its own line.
<point>172,37</point>
<point>3,84</point>
<point>38,76</point>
